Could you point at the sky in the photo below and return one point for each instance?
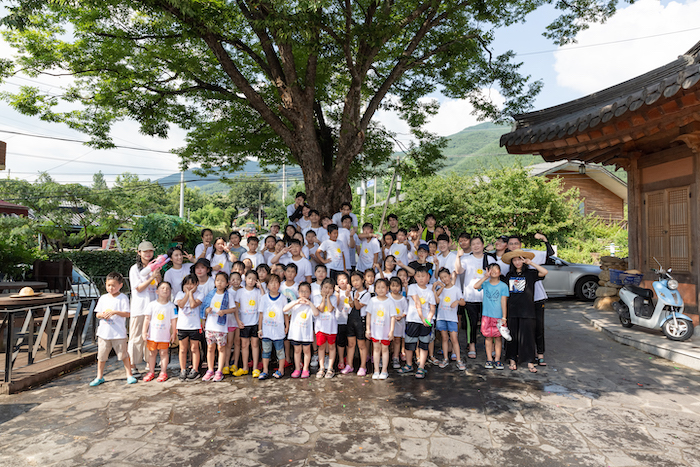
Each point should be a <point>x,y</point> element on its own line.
<point>637,39</point>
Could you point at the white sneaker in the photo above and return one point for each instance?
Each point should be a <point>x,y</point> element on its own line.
<point>505,332</point>
<point>383,375</point>
<point>314,361</point>
<point>375,376</point>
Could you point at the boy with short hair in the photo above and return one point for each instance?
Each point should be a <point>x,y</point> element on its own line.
<point>112,310</point>
<point>334,258</point>
<point>316,226</point>
<point>369,248</point>
<point>421,311</point>
<point>252,253</point>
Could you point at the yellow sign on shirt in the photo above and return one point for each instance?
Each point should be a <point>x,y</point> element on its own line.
<point>397,253</point>
<point>338,251</point>
<point>480,271</point>
<point>422,301</point>
<point>251,302</point>
<point>160,316</point>
<point>217,305</point>
<point>303,315</point>
<point>271,314</point>
<point>398,311</point>
<point>347,300</point>
<point>326,309</point>
<point>447,299</point>
<point>380,313</point>
<point>366,251</point>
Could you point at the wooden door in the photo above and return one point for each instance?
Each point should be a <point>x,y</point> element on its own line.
<point>668,228</point>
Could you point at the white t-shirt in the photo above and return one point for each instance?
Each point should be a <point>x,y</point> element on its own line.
<point>399,251</point>
<point>257,259</point>
<point>426,297</point>
<point>444,262</point>
<point>188,318</point>
<point>400,308</point>
<point>114,327</point>
<point>367,251</point>
<point>290,292</point>
<point>321,233</point>
<point>207,287</point>
<point>200,248</point>
<point>140,300</point>
<point>445,311</point>
<point>344,240</point>
<point>161,316</point>
<point>301,324</point>
<point>380,313</point>
<point>344,306</point>
<point>232,300</point>
<point>212,323</point>
<point>326,322</point>
<point>473,272</point>
<point>315,289</point>
<point>364,297</point>
<point>303,267</point>
<point>303,224</point>
<point>272,311</point>
<point>175,276</point>
<point>338,219</point>
<point>333,252</point>
<point>222,261</point>
<point>248,302</point>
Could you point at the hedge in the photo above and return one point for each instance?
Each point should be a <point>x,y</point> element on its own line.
<point>96,263</point>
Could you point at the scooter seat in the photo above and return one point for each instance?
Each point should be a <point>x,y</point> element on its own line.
<point>641,291</point>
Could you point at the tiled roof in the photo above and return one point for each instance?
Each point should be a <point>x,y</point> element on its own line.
<point>600,107</point>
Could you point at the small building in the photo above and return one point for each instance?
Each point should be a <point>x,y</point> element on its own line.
<point>13,210</point>
<point>649,126</point>
<point>602,192</point>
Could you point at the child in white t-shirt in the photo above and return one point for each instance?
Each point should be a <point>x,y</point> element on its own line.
<point>252,253</point>
<point>419,319</point>
<point>220,258</point>
<point>449,296</point>
<point>331,254</point>
<point>248,300</point>
<point>273,325</point>
<point>326,326</point>
<point>380,327</point>
<point>159,330</point>
<point>400,307</point>
<point>189,326</point>
<point>301,332</point>
<point>112,310</point>
<point>233,338</point>
<point>216,306</point>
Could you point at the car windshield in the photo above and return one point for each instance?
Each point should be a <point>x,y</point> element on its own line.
<point>79,278</point>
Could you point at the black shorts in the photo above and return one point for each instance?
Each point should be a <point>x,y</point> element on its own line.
<point>357,325</point>
<point>341,339</point>
<point>298,343</point>
<point>417,330</point>
<point>248,332</point>
<point>191,334</point>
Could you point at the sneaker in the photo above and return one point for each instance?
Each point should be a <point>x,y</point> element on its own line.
<point>305,374</point>
<point>296,373</point>
<point>208,375</point>
<point>346,370</point>
<point>499,366</point>
<point>488,365</point>
<point>505,332</point>
<point>131,380</point>
<point>97,382</point>
<point>163,377</point>
<point>183,375</point>
<point>383,375</point>
<point>149,377</point>
<point>218,376</point>
<point>256,373</point>
<point>192,375</point>
<point>396,363</point>
<point>225,371</point>
<point>375,375</point>
<point>240,372</point>
<point>314,361</point>
<point>362,372</point>
<point>433,360</point>
<point>443,363</point>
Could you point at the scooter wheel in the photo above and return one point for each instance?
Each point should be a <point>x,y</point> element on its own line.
<point>680,332</point>
<point>626,322</point>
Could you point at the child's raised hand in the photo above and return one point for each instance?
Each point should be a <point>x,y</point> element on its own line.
<point>460,253</point>
<point>527,261</point>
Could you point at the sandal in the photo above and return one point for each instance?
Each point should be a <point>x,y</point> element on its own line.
<point>330,373</point>
<point>541,362</point>
<point>162,377</point>
<point>512,366</point>
<point>405,370</point>
<point>277,374</point>
<point>149,377</point>
<point>420,373</point>
<point>461,365</point>
<point>320,373</point>
<point>532,369</point>
<point>471,354</point>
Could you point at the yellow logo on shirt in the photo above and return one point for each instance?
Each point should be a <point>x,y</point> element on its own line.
<point>338,251</point>
<point>271,314</point>
<point>366,251</point>
<point>153,282</point>
<point>447,299</point>
<point>108,309</point>
<point>347,300</point>
<point>221,265</point>
<point>380,313</point>
<point>160,316</point>
<point>303,315</point>
<point>422,301</point>
<point>397,253</point>
<point>326,309</point>
<point>398,311</point>
<point>479,271</point>
<point>217,305</point>
<point>251,302</point>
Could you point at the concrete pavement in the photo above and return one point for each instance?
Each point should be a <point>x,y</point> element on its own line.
<point>598,403</point>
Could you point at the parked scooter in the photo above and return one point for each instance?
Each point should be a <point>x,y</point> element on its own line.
<point>636,307</point>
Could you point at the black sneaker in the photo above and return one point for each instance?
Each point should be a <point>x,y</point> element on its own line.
<point>183,375</point>
<point>136,373</point>
<point>192,375</point>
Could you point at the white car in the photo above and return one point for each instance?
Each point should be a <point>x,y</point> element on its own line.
<point>571,279</point>
<point>82,286</point>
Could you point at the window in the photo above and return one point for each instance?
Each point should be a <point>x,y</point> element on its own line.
<point>668,228</point>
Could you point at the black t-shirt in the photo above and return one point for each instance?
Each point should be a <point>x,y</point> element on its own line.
<point>521,286</point>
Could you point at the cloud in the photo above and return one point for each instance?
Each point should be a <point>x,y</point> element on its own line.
<point>586,68</point>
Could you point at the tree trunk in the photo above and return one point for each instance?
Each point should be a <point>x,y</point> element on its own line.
<point>326,190</point>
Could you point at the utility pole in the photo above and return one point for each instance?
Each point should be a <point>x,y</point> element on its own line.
<point>374,200</point>
<point>284,182</point>
<point>398,188</point>
<point>363,201</point>
<point>386,203</point>
<point>260,208</point>
<point>182,194</point>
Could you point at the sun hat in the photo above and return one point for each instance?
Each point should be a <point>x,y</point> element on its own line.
<point>145,246</point>
<point>508,257</point>
<point>26,292</point>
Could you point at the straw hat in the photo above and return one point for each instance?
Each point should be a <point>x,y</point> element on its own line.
<point>508,257</point>
<point>26,292</point>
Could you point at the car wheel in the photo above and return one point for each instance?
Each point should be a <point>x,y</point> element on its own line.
<point>586,287</point>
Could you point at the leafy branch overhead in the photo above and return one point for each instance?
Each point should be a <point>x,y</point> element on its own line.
<point>284,82</point>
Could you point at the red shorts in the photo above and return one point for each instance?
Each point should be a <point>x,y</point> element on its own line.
<point>150,345</point>
<point>377,340</point>
<point>322,338</point>
<point>489,327</point>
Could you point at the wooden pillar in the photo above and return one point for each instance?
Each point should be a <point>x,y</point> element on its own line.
<point>634,212</point>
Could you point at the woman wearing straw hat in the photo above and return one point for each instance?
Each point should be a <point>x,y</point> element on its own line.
<point>521,282</point>
<point>143,292</point>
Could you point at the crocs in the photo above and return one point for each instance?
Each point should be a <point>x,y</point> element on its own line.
<point>305,374</point>
<point>488,365</point>
<point>277,374</point>
<point>256,373</point>
<point>149,377</point>
<point>499,366</point>
<point>240,372</point>
<point>162,377</point>
<point>346,370</point>
<point>296,373</point>
<point>225,370</point>
<point>218,376</point>
<point>131,380</point>
<point>362,372</point>
<point>97,382</point>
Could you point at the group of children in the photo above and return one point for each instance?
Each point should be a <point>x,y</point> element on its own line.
<point>314,303</point>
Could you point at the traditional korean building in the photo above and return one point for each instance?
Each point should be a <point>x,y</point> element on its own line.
<point>649,126</point>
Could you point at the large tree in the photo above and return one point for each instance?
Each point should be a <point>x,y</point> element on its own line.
<point>284,81</point>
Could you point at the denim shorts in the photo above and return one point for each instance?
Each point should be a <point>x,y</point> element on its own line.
<point>450,326</point>
<point>267,345</point>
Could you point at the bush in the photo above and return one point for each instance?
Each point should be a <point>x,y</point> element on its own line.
<point>18,247</point>
<point>96,263</point>
<point>163,231</point>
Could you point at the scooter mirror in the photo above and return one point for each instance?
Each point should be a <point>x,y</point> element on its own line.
<point>669,269</point>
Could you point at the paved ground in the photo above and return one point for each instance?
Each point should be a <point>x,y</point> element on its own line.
<point>598,403</point>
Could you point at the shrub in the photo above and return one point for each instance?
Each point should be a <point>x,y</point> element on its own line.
<point>96,263</point>
<point>163,231</point>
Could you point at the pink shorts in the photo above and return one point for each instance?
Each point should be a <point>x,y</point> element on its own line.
<point>232,328</point>
<point>489,327</point>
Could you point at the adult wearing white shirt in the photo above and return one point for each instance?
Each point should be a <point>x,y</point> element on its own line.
<point>345,210</point>
<point>346,238</point>
<point>294,209</point>
<point>474,266</point>
<point>541,257</point>
<point>444,258</point>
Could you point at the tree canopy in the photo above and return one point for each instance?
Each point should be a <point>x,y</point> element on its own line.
<point>286,82</point>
